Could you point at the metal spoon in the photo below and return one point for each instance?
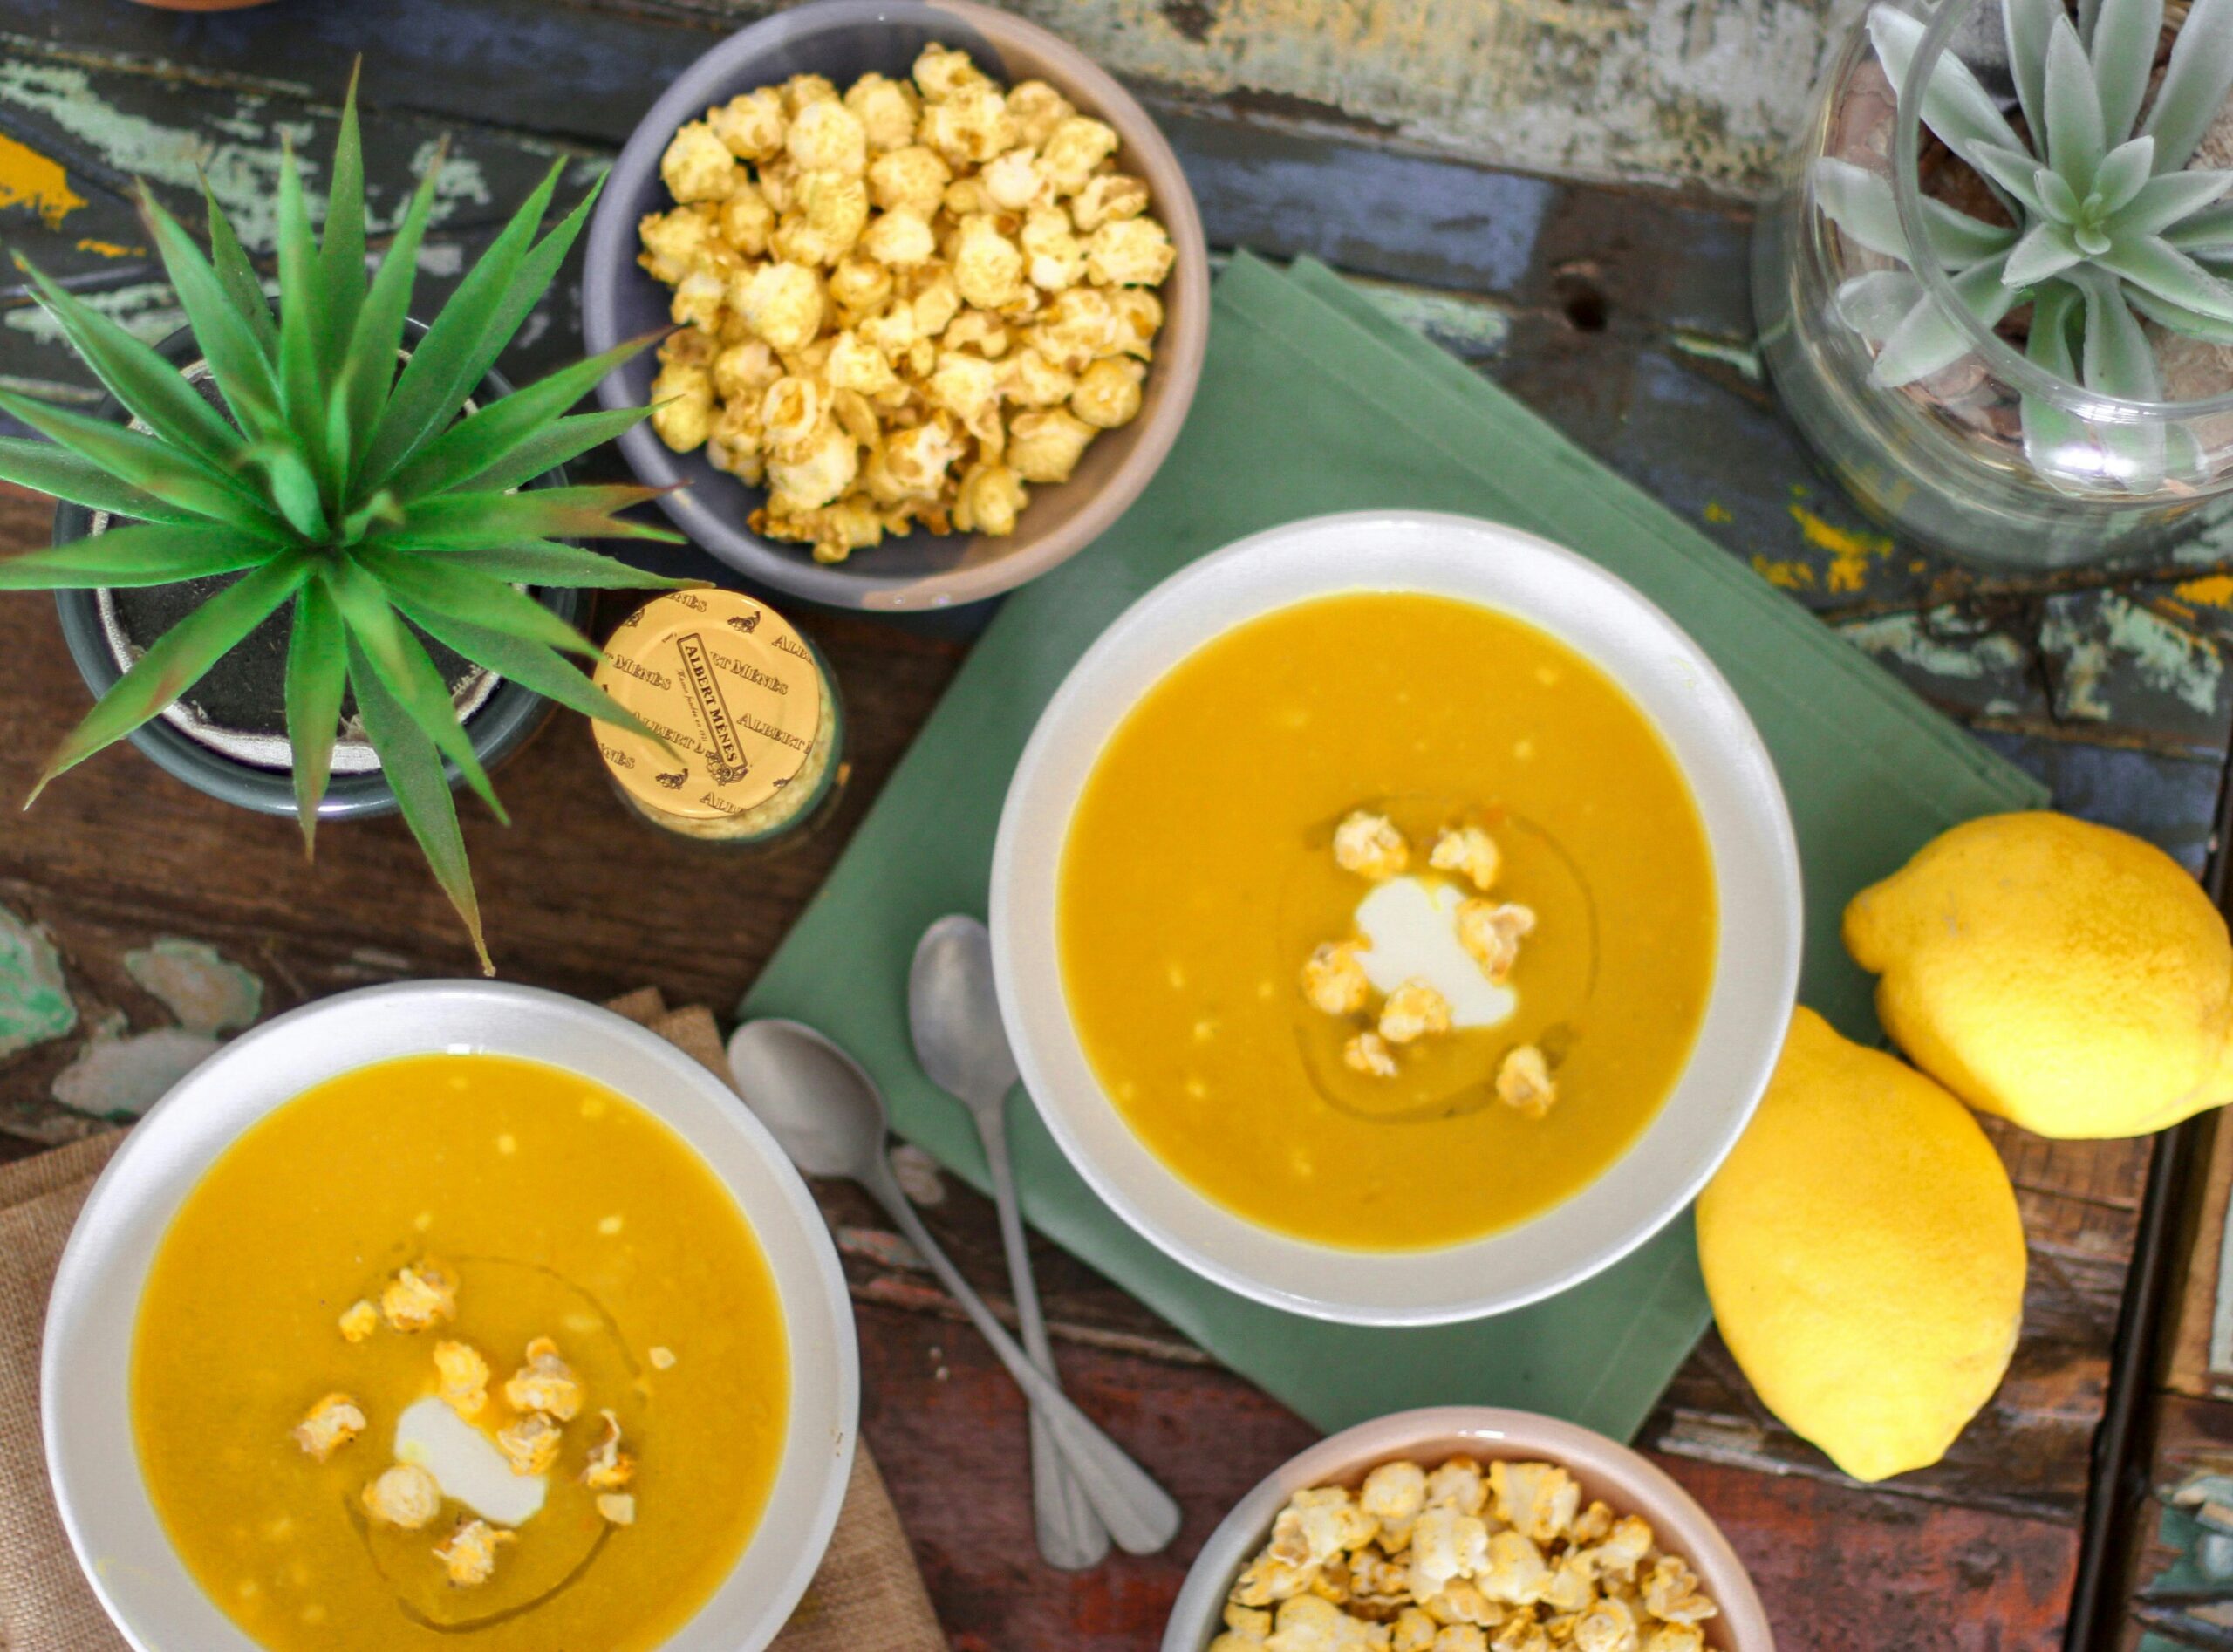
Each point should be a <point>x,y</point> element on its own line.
<point>955,1021</point>
<point>830,1119</point>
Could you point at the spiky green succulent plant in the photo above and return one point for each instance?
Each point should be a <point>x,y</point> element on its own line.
<point>332,481</point>
<point>2106,224</point>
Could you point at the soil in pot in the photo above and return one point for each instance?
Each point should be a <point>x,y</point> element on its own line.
<point>239,708</point>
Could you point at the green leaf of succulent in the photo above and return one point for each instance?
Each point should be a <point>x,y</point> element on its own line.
<point>1960,240</point>
<point>561,440</point>
<point>532,667</point>
<point>2209,230</point>
<point>484,437</point>
<point>2077,137</point>
<point>383,508</point>
<point>377,337</point>
<point>378,630</point>
<point>136,374</point>
<point>477,520</point>
<point>2055,440</point>
<point>302,392</point>
<point>442,373</point>
<point>243,285</point>
<point>1929,340</point>
<point>2118,361</point>
<point>1874,303</point>
<point>318,678</point>
<point>1860,203</point>
<point>341,257</point>
<point>2169,201</point>
<point>2122,45</point>
<point>52,469</point>
<point>2014,171</point>
<point>146,554</point>
<point>1955,105</point>
<point>2060,201</point>
<point>2192,322</point>
<point>2047,251</point>
<point>2156,266</point>
<point>2195,84</point>
<point>546,562</point>
<point>237,355</point>
<point>142,461</point>
<point>537,271</point>
<point>414,767</point>
<point>176,660</point>
<point>292,487</point>
<point>339,442</point>
<point>2026,25</point>
<point>455,587</point>
<point>2124,174</point>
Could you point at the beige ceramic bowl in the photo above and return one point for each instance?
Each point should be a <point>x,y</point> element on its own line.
<point>845,39</point>
<point>1629,1483</point>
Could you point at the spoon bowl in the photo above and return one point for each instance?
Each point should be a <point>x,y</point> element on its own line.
<point>818,1103</point>
<point>954,1015</point>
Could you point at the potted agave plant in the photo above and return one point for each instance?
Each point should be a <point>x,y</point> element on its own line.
<point>332,523</point>
<point>1997,291</point>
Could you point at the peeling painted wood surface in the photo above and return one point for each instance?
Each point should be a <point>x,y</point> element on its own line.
<point>1355,130</point>
<point>1697,93</point>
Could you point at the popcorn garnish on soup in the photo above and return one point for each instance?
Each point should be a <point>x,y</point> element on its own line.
<point>960,274</point>
<point>1433,954</point>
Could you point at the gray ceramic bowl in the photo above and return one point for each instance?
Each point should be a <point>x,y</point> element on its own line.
<point>845,39</point>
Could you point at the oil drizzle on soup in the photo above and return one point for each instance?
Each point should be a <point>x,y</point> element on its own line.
<point>1197,879</point>
<point>562,1210</point>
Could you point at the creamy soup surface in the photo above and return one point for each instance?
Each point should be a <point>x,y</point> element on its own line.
<point>1200,876</point>
<point>558,1210</point>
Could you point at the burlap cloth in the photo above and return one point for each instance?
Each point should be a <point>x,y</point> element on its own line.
<point>868,1596</point>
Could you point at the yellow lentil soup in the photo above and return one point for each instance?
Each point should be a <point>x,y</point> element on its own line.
<point>1213,877</point>
<point>463,1202</point>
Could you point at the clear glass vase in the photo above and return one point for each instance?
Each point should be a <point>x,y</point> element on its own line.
<point>1957,459</point>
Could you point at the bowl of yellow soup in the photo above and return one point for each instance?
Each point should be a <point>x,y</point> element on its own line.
<point>1397,917</point>
<point>450,1313</point>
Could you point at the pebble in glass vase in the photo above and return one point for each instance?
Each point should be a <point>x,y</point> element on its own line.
<point>2048,381</point>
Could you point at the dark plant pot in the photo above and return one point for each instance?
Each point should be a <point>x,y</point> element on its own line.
<point>499,724</point>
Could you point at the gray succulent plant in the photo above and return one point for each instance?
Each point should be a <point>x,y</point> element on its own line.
<point>2107,224</point>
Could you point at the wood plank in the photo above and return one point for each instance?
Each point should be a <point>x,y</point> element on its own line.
<point>1685,93</point>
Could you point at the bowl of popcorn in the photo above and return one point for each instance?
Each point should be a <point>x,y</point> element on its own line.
<point>940,298</point>
<point>1467,1529</point>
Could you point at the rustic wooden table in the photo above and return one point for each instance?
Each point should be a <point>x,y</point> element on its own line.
<point>1558,193</point>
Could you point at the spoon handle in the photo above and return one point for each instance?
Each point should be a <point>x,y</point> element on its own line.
<point>1070,1534</point>
<point>1140,1515</point>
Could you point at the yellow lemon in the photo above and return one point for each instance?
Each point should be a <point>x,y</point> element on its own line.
<point>2063,975</point>
<point>1864,1255</point>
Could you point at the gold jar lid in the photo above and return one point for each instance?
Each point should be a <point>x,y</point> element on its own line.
<point>737,694</point>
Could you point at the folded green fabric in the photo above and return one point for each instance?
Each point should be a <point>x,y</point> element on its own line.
<point>1312,401</point>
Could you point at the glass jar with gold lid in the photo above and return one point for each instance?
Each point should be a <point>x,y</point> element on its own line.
<point>754,729</point>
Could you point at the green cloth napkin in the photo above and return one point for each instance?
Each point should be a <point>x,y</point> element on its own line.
<point>1312,401</point>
